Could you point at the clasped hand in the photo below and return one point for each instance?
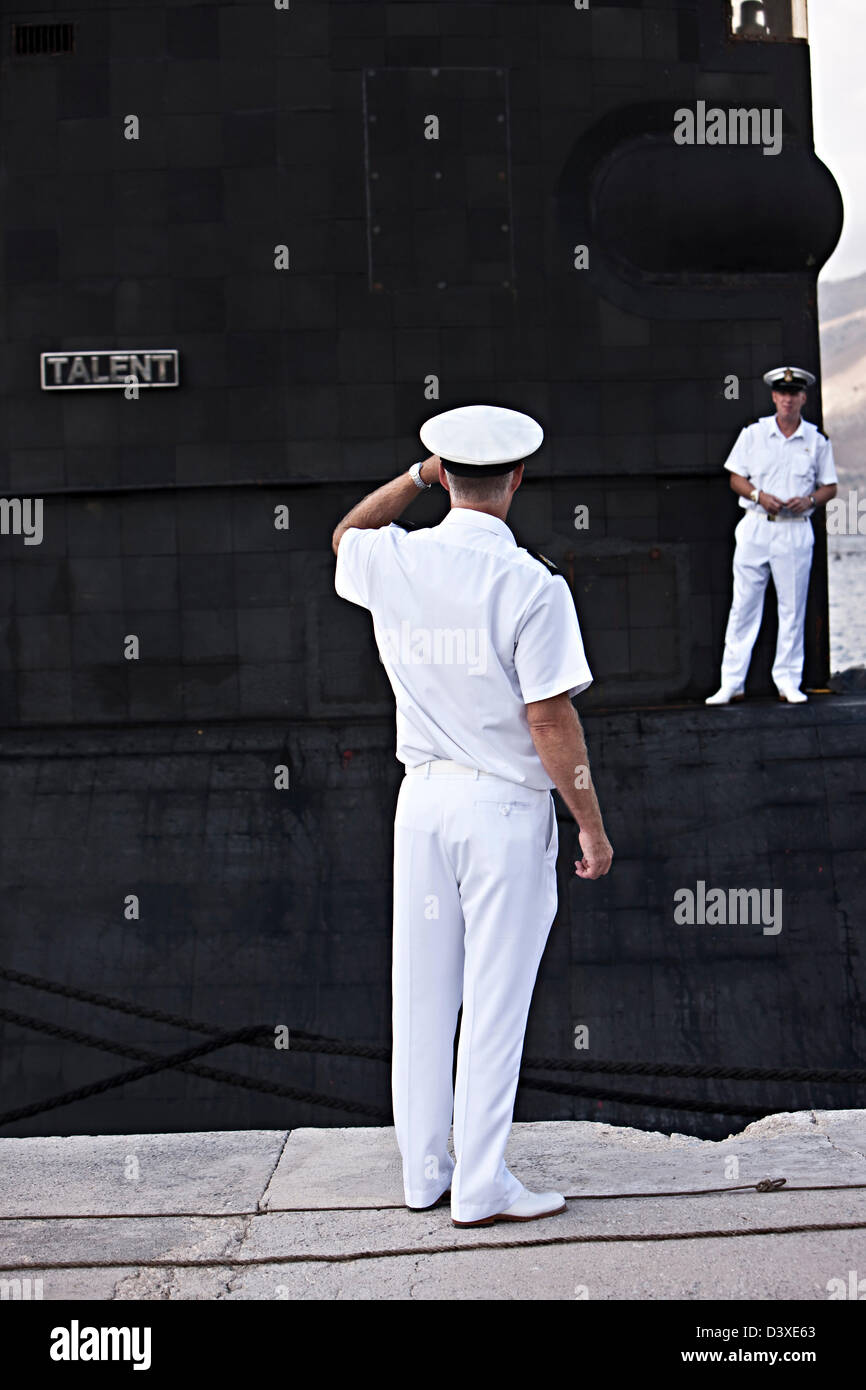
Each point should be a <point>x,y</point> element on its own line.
<point>772,504</point>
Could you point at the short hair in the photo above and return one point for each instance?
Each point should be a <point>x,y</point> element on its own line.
<point>490,487</point>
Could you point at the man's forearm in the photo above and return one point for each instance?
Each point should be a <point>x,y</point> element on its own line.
<point>389,501</point>
<point>744,487</point>
<point>825,493</point>
<point>561,747</point>
<point>381,507</point>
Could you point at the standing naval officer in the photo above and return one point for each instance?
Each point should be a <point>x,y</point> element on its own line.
<point>782,469</point>
<point>482,647</point>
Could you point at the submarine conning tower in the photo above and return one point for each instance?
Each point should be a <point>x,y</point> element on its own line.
<point>300,231</point>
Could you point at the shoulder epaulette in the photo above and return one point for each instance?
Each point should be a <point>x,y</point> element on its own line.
<point>405,525</point>
<point>548,564</point>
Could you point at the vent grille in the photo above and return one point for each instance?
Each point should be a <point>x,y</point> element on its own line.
<point>42,40</point>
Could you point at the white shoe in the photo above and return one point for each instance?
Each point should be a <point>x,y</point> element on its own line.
<point>531,1206</point>
<point>791,695</point>
<point>724,696</point>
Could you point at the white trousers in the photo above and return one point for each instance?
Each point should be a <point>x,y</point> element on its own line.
<point>474,901</point>
<point>783,549</point>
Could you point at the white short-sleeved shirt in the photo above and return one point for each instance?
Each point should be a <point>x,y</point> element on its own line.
<point>470,629</point>
<point>785,467</point>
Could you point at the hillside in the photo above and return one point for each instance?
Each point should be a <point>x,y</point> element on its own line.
<point>842,318</point>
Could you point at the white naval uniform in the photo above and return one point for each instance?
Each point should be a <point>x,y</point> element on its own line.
<point>786,468</point>
<point>470,628</point>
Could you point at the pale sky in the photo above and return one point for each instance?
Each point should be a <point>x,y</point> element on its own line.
<point>837,31</point>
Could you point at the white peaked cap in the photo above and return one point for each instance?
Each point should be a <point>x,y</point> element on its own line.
<point>481,438</point>
<point>789,376</point>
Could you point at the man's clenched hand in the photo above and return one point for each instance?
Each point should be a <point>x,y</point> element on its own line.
<point>597,854</point>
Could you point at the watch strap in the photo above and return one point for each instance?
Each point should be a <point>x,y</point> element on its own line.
<point>415,475</point>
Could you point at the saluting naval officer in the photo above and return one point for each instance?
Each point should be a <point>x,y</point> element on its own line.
<point>482,647</point>
<point>782,469</point>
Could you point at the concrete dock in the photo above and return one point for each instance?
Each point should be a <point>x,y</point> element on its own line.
<point>318,1214</point>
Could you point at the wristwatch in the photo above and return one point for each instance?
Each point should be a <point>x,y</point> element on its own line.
<point>812,500</point>
<point>755,494</point>
<point>415,475</point>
